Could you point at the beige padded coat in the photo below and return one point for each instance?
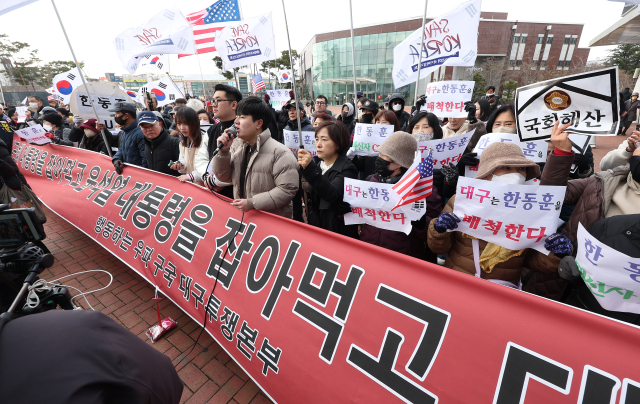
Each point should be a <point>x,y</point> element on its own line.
<point>272,175</point>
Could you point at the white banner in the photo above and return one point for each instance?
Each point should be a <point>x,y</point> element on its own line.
<point>22,113</point>
<point>534,150</point>
<point>292,141</point>
<point>511,216</point>
<point>166,32</point>
<point>34,134</point>
<point>10,5</point>
<point>445,151</point>
<point>372,202</point>
<point>65,83</point>
<point>285,76</point>
<point>447,98</point>
<point>154,63</point>
<point>449,40</point>
<point>104,96</point>
<point>278,98</point>
<point>164,90</point>
<point>368,137</point>
<point>587,100</point>
<point>613,277</point>
<point>245,42</point>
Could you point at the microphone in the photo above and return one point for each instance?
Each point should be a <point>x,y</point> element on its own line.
<point>232,132</point>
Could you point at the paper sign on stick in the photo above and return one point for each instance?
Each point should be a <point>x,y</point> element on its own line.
<point>447,98</point>
<point>292,141</point>
<point>368,137</point>
<point>445,151</point>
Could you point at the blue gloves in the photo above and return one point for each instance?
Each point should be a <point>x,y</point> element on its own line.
<point>558,244</point>
<point>447,221</point>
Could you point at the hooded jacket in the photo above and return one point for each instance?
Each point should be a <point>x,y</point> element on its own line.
<point>349,121</point>
<point>159,151</point>
<point>271,179</point>
<point>402,115</point>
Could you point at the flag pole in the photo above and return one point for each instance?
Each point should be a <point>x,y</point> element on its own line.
<point>104,137</point>
<point>204,90</point>
<point>424,20</point>
<point>293,74</point>
<point>353,59</point>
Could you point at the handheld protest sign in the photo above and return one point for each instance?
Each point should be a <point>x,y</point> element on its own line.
<point>368,137</point>
<point>447,98</point>
<point>587,100</point>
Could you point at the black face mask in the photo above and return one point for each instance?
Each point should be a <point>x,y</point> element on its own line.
<point>120,120</point>
<point>382,167</point>
<point>634,163</point>
<point>367,118</point>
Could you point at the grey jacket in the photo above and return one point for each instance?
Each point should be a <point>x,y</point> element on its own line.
<point>272,176</point>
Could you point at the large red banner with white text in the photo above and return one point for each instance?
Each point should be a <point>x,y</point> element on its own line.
<point>314,317</point>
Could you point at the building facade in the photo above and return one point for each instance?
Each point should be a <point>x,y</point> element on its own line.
<point>503,45</point>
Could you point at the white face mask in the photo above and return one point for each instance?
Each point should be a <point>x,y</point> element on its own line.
<point>360,111</point>
<point>47,127</point>
<point>511,178</point>
<point>489,95</point>
<point>89,133</point>
<point>504,129</point>
<point>204,123</point>
<point>397,107</point>
<point>33,105</point>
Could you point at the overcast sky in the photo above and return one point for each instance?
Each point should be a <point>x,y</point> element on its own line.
<point>92,25</point>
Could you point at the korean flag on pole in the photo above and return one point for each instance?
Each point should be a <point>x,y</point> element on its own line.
<point>285,76</point>
<point>65,83</point>
<point>164,91</point>
<point>154,63</point>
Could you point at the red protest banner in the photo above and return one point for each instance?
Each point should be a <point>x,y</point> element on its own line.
<point>314,317</point>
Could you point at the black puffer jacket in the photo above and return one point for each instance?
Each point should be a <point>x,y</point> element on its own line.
<point>160,151</point>
<point>402,115</point>
<point>9,171</point>
<point>95,143</point>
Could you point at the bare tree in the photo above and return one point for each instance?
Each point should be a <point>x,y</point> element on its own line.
<point>492,70</point>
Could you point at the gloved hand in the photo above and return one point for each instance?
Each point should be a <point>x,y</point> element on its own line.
<point>55,140</point>
<point>568,269</point>
<point>292,94</point>
<point>77,120</point>
<point>351,153</point>
<point>420,102</point>
<point>118,165</point>
<point>558,244</point>
<point>469,159</point>
<point>450,173</point>
<point>267,98</point>
<point>446,221</point>
<point>581,161</point>
<point>470,107</point>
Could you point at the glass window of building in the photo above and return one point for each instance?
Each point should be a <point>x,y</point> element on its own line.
<point>358,43</point>
<point>365,42</point>
<point>391,40</point>
<point>382,41</point>
<point>549,40</point>
<point>373,41</point>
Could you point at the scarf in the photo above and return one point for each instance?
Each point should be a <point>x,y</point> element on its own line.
<point>494,254</point>
<point>325,167</point>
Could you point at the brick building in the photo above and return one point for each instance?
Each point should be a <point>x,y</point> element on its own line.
<point>539,46</point>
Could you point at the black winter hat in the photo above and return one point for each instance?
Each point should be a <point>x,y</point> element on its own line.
<point>54,119</point>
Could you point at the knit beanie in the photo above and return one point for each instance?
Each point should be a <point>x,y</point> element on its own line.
<point>505,154</point>
<point>53,118</point>
<point>400,147</point>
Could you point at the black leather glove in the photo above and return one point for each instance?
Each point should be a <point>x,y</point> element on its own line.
<point>469,159</point>
<point>470,107</point>
<point>118,165</point>
<point>420,102</point>
<point>450,173</point>
<point>568,269</point>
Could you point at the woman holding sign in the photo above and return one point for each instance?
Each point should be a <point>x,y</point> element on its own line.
<point>325,174</point>
<point>505,163</point>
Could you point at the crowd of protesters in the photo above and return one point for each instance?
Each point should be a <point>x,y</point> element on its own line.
<point>234,147</point>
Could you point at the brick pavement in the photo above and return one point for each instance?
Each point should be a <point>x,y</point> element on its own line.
<point>209,374</point>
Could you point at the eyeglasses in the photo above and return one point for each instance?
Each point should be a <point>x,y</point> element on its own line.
<point>321,103</point>
<point>216,101</point>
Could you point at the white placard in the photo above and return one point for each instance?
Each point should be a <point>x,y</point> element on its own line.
<point>449,40</point>
<point>447,98</point>
<point>292,141</point>
<point>368,137</point>
<point>512,216</point>
<point>372,202</point>
<point>587,100</point>
<point>445,151</point>
<point>22,113</point>
<point>34,134</point>
<point>242,43</point>
<point>612,277</point>
<point>534,150</point>
<point>278,98</point>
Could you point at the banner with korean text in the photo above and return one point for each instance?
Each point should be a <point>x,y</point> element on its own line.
<point>368,137</point>
<point>447,98</point>
<point>511,216</point>
<point>315,317</point>
<point>445,151</point>
<point>278,98</point>
<point>606,270</point>
<point>589,101</point>
<point>292,141</point>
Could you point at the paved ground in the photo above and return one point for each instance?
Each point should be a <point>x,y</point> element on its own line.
<point>209,374</point>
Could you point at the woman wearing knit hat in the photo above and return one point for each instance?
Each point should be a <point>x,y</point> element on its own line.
<point>505,163</point>
<point>396,156</point>
<point>52,123</point>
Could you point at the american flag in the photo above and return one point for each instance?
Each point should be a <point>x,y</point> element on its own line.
<point>257,82</point>
<point>417,183</point>
<point>207,22</point>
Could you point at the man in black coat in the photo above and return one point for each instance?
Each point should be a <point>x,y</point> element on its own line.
<point>160,147</point>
